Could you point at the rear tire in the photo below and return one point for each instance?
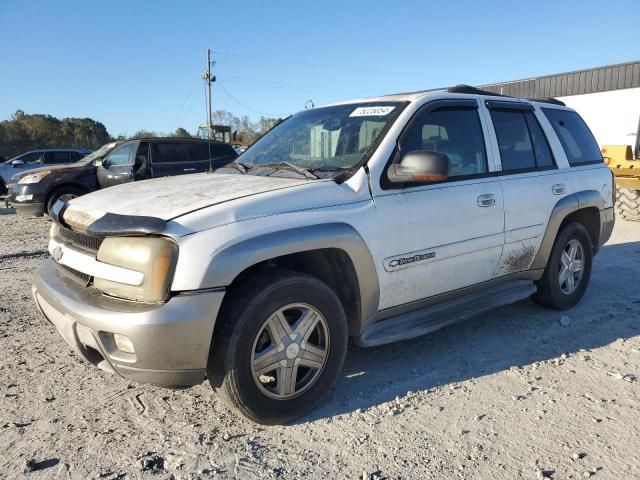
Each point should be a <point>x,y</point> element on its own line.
<point>628,204</point>
<point>65,192</point>
<point>568,270</point>
<point>280,347</point>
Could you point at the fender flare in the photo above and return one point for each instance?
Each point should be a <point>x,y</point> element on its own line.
<point>229,262</point>
<point>565,207</point>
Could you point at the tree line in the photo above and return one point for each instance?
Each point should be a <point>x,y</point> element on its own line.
<point>23,132</point>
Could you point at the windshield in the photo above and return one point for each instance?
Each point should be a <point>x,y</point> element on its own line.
<point>100,153</point>
<point>329,138</point>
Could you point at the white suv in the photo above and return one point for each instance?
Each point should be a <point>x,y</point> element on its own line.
<point>380,219</point>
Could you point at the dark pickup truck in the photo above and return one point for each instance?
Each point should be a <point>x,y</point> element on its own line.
<point>34,193</point>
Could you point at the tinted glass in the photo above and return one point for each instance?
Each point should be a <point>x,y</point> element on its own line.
<point>58,157</point>
<point>453,131</point>
<point>576,138</point>
<point>200,151</point>
<point>516,150</point>
<point>169,152</point>
<point>75,156</point>
<point>544,157</point>
<point>123,155</point>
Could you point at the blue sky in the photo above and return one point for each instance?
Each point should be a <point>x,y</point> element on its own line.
<point>135,65</point>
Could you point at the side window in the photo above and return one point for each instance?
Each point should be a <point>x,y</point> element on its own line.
<point>169,152</point>
<point>58,157</point>
<point>75,156</point>
<point>516,150</point>
<point>32,158</point>
<point>577,140</point>
<point>199,151</point>
<point>454,131</point>
<point>544,157</point>
<point>122,155</point>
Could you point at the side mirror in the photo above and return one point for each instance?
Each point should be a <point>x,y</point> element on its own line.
<point>17,163</point>
<point>105,164</point>
<point>420,166</point>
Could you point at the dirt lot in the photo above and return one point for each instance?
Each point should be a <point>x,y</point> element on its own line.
<point>520,393</point>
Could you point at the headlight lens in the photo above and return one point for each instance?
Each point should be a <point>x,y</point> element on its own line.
<point>33,177</point>
<point>155,257</point>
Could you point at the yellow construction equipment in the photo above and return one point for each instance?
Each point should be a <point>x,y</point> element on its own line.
<point>624,162</point>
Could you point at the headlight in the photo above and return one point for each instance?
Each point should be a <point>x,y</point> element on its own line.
<point>33,177</point>
<point>154,257</point>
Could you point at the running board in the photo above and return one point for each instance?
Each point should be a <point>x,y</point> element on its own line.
<point>434,317</point>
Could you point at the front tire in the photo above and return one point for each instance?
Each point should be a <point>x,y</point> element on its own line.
<point>568,270</point>
<point>66,193</point>
<point>280,348</point>
<point>628,204</point>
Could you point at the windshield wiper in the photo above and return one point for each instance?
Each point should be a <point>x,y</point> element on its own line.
<point>241,167</point>
<point>308,173</point>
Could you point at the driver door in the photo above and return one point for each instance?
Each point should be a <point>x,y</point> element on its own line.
<point>118,166</point>
<point>433,238</point>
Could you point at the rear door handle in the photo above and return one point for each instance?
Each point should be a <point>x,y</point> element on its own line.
<point>559,188</point>
<point>487,200</point>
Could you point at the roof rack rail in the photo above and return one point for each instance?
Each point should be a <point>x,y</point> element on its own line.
<point>473,91</point>
<point>555,101</point>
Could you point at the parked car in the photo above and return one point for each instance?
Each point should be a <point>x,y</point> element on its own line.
<point>382,220</point>
<point>37,158</point>
<point>34,193</point>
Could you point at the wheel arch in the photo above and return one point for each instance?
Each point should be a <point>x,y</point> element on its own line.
<point>52,191</point>
<point>335,253</point>
<point>586,207</point>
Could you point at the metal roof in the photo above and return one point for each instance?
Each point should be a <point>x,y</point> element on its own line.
<point>600,79</point>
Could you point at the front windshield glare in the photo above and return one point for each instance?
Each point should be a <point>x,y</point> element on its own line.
<point>329,138</point>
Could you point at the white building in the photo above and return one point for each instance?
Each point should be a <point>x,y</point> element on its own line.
<point>608,98</point>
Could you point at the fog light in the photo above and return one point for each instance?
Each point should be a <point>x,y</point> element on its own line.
<point>123,343</point>
<point>23,198</point>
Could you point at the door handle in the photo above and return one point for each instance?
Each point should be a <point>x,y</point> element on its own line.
<point>559,188</point>
<point>487,200</point>
<point>189,170</point>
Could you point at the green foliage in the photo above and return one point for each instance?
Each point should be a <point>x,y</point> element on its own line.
<point>246,131</point>
<point>181,133</point>
<point>27,132</point>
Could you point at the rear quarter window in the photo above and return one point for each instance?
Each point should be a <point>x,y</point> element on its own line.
<point>578,142</point>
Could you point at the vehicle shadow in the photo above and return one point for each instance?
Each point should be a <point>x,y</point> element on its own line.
<point>517,335</point>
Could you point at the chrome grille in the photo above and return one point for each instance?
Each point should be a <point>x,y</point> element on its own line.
<point>81,240</point>
<point>83,278</point>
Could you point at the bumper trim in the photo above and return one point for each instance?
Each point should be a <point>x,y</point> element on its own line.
<point>171,340</point>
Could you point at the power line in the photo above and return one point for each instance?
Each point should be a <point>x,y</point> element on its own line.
<point>280,85</point>
<point>322,65</point>
<point>245,106</point>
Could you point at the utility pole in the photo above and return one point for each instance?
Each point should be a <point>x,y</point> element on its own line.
<point>209,79</point>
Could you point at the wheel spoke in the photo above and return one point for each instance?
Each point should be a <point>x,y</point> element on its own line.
<point>570,283</point>
<point>573,249</point>
<point>566,260</point>
<point>267,361</point>
<point>564,275</point>
<point>287,379</point>
<point>306,324</point>
<point>577,265</point>
<point>278,327</point>
<point>312,356</point>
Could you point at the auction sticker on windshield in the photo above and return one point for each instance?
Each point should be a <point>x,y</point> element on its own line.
<point>379,111</point>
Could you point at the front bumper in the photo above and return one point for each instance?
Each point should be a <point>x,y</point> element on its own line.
<point>171,340</point>
<point>34,207</point>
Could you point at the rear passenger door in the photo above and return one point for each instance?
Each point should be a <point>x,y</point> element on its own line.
<point>169,159</point>
<point>531,182</point>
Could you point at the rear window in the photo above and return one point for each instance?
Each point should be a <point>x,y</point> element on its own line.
<point>577,140</point>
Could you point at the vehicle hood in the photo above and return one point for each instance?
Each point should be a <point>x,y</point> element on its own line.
<point>52,168</point>
<point>171,197</point>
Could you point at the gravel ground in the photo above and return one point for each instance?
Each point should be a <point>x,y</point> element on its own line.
<point>521,393</point>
